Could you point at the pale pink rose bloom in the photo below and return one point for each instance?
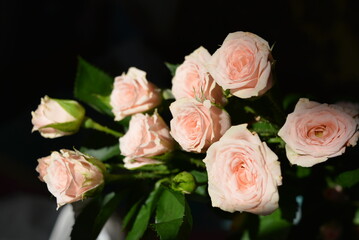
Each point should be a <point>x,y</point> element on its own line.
<point>132,93</point>
<point>68,175</point>
<point>50,112</point>
<point>243,65</point>
<point>195,125</point>
<point>243,173</point>
<point>146,137</point>
<point>315,132</point>
<point>192,79</point>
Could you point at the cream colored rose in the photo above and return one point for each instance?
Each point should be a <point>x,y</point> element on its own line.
<point>146,137</point>
<point>192,79</point>
<point>315,132</point>
<point>132,93</point>
<point>56,118</point>
<point>69,175</point>
<point>243,65</point>
<point>243,173</point>
<point>195,125</point>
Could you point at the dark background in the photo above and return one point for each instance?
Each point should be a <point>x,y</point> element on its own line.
<point>316,48</point>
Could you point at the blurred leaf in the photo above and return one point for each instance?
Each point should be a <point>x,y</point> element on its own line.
<point>172,67</point>
<point>356,217</point>
<point>273,227</point>
<point>167,94</point>
<point>104,153</point>
<point>348,179</point>
<point>171,214</point>
<point>303,172</point>
<point>290,100</point>
<point>142,219</point>
<point>246,236</point>
<point>93,86</point>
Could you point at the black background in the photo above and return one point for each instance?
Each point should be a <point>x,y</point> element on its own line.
<point>316,48</point>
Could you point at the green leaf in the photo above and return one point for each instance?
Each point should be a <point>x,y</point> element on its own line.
<point>172,67</point>
<point>201,180</point>
<point>92,215</point>
<point>109,204</point>
<point>86,212</point>
<point>348,179</point>
<point>273,227</point>
<point>104,153</point>
<point>93,86</point>
<point>201,177</point>
<point>131,214</point>
<point>187,222</point>
<point>170,213</point>
<point>144,214</point>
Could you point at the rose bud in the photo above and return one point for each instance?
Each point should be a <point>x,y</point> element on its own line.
<point>56,117</point>
<point>184,182</point>
<point>70,175</point>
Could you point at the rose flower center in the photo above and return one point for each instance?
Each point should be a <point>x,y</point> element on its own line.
<point>240,63</point>
<point>244,176</point>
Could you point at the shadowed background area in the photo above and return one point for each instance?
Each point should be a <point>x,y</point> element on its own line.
<point>316,45</point>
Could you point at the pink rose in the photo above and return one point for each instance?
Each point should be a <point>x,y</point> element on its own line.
<point>315,132</point>
<point>243,173</point>
<point>192,79</point>
<point>195,125</point>
<point>146,137</point>
<point>69,175</point>
<point>56,118</point>
<point>243,65</point>
<point>132,93</point>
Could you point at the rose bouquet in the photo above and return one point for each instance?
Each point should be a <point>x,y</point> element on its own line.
<point>224,135</point>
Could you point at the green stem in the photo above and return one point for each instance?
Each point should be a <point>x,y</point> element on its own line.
<point>135,176</point>
<point>280,114</point>
<point>89,123</point>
